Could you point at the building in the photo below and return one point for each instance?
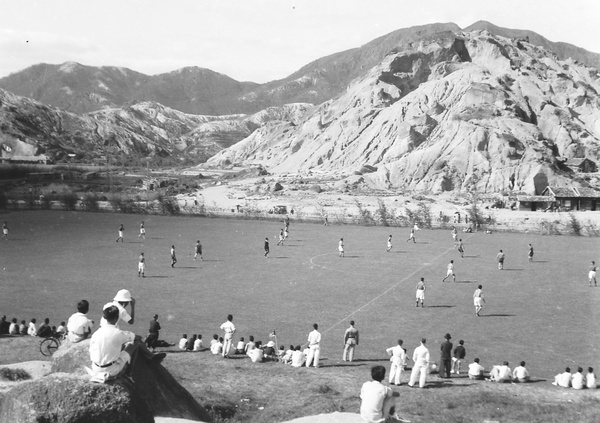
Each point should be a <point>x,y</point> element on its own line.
<point>581,165</point>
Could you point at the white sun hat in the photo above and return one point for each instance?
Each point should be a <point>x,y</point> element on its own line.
<point>123,296</point>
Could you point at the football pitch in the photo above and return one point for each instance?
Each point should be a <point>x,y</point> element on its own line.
<point>542,312</point>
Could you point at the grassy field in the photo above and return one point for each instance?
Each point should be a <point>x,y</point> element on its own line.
<point>541,312</point>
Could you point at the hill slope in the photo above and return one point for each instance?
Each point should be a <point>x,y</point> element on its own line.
<point>455,111</point>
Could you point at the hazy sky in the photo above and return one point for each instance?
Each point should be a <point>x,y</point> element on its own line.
<point>252,40</point>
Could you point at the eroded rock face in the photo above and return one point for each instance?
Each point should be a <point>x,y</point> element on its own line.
<point>454,112</point>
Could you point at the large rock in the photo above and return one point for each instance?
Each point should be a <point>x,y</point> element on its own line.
<point>462,112</point>
<point>70,397</point>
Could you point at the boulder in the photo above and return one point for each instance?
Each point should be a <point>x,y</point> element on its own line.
<point>67,395</point>
<point>276,187</point>
<point>316,188</point>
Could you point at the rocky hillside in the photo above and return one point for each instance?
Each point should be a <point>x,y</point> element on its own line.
<point>79,89</point>
<point>131,133</point>
<point>453,111</point>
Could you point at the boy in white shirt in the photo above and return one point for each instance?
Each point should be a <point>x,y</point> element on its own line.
<point>217,347</point>
<point>476,370</point>
<point>590,379</point>
<point>250,345</point>
<point>378,402</point>
<point>239,348</point>
<point>79,327</point>
<point>563,379</point>
<point>198,343</point>
<point>501,374</point>
<point>577,379</point>
<point>183,342</point>
<point>397,357</point>
<point>298,357</point>
<point>32,330</point>
<point>520,373</point>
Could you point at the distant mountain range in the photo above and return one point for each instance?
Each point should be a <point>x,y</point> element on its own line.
<point>80,89</point>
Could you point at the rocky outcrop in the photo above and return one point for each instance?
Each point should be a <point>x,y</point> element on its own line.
<point>67,395</point>
<point>454,111</point>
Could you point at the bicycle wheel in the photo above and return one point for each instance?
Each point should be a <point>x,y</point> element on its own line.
<point>48,346</point>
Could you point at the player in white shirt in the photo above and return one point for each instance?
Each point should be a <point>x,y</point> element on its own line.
<point>142,266</point>
<point>5,231</point>
<point>314,340</point>
<point>121,233</point>
<point>450,272</point>
<point>389,244</point>
<point>397,357</point>
<point>229,328</point>
<point>142,231</point>
<point>478,300</point>
<point>341,247</point>
<point>419,370</point>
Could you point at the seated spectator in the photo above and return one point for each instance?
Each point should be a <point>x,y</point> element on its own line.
<point>239,348</point>
<point>32,329</point>
<point>4,326</point>
<point>189,346</point>
<point>287,357</point>
<point>269,352</point>
<point>214,340</point>
<point>563,379</point>
<point>217,347</point>
<point>520,373</point>
<point>378,402</point>
<point>198,343</point>
<point>79,327</point>
<point>250,345</point>
<point>112,349</point>
<point>280,352</point>
<point>501,373</point>
<point>61,330</point>
<point>13,329</point>
<point>298,357</point>
<point>257,353</point>
<point>577,379</point>
<point>476,370</point>
<point>23,328</point>
<point>590,379</point>
<point>45,330</point>
<point>183,342</point>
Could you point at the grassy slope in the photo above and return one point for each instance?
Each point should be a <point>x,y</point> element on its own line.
<point>541,312</point>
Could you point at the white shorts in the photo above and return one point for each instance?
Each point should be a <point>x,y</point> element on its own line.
<point>341,249</point>
<point>420,294</point>
<point>121,234</point>
<point>478,301</point>
<point>142,231</point>
<point>5,231</point>
<point>592,274</point>
<point>141,267</point>
<point>449,272</point>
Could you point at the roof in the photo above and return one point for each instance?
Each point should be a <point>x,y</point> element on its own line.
<point>536,198</point>
<point>576,161</point>
<point>571,192</point>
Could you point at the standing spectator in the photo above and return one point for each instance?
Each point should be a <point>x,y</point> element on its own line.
<point>476,370</point>
<point>459,356</point>
<point>592,273</point>
<point>421,292</point>
<point>142,266</point>
<point>350,342</point>
<point>500,257</point>
<point>421,360</point>
<point>173,258</point>
<point>121,233</point>
<point>341,247</point>
<point>378,402</point>
<point>590,379</point>
<point>577,379</point>
<point>446,357</point>
<point>229,328</point>
<point>563,379</point>
<point>478,300</point>
<point>520,373</point>
<point>32,330</point>
<point>397,357</point>
<point>314,339</point>
<point>153,333</point>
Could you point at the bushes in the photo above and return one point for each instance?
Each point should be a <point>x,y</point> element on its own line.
<point>168,205</point>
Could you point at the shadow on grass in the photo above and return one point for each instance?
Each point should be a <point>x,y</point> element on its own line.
<point>470,257</point>
<point>539,261</point>
<point>465,282</point>
<point>497,315</point>
<point>157,277</point>
<point>351,257</point>
<point>441,306</point>
<point>281,257</point>
<point>185,267</point>
<point>514,270</point>
<point>344,364</point>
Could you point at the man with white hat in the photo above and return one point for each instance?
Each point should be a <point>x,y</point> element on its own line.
<point>121,300</point>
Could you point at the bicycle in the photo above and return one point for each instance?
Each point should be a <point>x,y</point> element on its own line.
<point>49,345</point>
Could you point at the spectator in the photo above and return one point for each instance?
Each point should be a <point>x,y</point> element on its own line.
<point>198,343</point>
<point>577,379</point>
<point>250,345</point>
<point>501,373</point>
<point>476,370</point>
<point>4,326</point>
<point>520,373</point>
<point>378,402</point>
<point>153,332</point>
<point>79,327</point>
<point>459,355</point>
<point>13,328</point>
<point>189,346</point>
<point>590,379</point>
<point>269,352</point>
<point>183,342</point>
<point>298,357</point>
<point>32,330</point>
<point>23,328</point>
<point>287,357</point>
<point>62,329</point>
<point>217,347</point>
<point>563,379</point>
<point>257,354</point>
<point>239,348</point>
<point>45,330</point>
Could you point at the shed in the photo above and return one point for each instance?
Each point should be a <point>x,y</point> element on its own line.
<point>581,165</point>
<point>572,198</point>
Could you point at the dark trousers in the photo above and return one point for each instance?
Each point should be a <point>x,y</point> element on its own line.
<point>446,367</point>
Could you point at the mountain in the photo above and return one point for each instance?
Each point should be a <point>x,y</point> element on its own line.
<point>130,134</point>
<point>80,89</point>
<point>451,111</point>
<point>77,88</point>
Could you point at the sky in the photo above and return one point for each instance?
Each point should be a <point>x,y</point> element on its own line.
<point>252,40</point>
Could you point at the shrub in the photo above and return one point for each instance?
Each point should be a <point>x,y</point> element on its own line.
<point>169,205</point>
<point>90,203</point>
<point>382,213</point>
<point>424,214</point>
<point>365,217</point>
<point>574,224</point>
<point>69,199</point>
<point>14,375</point>
<point>3,200</point>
